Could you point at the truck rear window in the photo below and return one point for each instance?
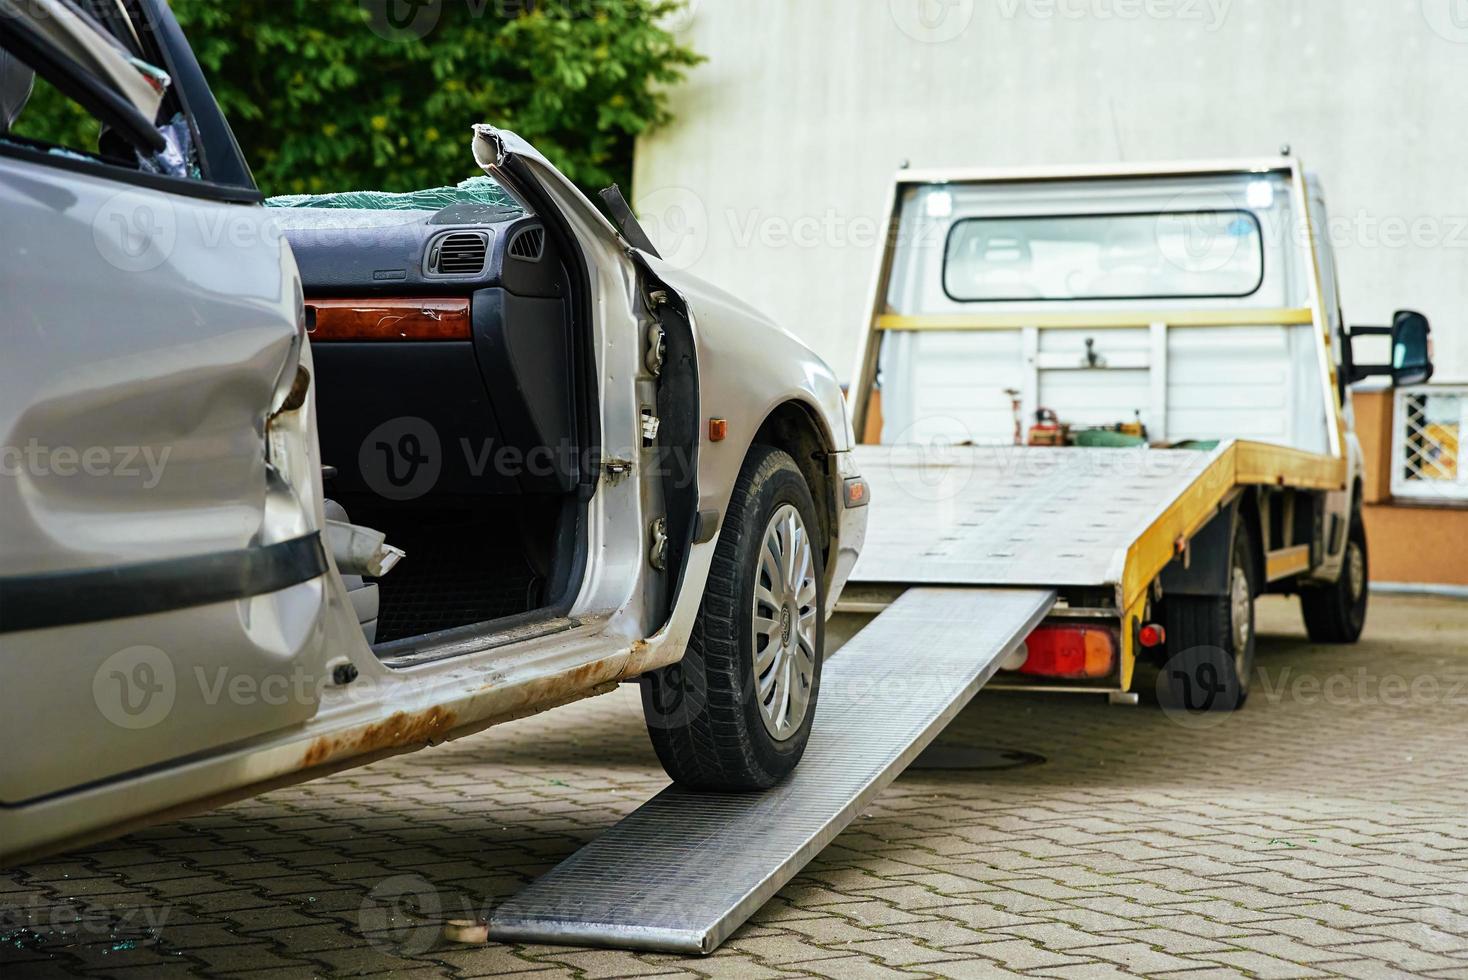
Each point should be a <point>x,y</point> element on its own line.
<point>1154,255</point>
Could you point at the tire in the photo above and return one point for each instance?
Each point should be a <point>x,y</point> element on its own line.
<point>1337,613</point>
<point>1210,640</point>
<point>736,713</point>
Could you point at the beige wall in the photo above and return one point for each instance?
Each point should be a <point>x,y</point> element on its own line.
<point>772,180</point>
<point>1417,545</point>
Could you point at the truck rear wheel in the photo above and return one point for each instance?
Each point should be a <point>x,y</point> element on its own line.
<point>736,713</point>
<point>1336,613</point>
<point>1210,640</point>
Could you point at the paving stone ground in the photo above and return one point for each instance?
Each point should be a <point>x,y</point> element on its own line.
<point>1323,831</point>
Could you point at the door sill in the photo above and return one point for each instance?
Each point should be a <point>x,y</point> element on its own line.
<point>463,641</point>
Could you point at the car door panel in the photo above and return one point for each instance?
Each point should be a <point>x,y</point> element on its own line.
<point>163,586</point>
<point>660,390</point>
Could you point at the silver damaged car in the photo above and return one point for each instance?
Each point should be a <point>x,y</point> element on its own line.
<point>287,490</point>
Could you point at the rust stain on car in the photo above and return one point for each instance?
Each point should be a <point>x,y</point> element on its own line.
<point>401,729</point>
<point>573,682</point>
<point>405,730</point>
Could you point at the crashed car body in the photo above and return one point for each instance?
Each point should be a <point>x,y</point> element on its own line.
<point>573,443</point>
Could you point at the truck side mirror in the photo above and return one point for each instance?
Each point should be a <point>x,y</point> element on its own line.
<point>1411,349</point>
<point>1411,338</point>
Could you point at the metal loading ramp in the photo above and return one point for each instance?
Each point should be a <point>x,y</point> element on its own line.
<point>685,869</point>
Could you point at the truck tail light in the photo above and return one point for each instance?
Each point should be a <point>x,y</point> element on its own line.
<point>1151,636</point>
<point>1071,652</point>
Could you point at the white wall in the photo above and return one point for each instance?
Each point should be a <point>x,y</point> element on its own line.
<point>772,179</point>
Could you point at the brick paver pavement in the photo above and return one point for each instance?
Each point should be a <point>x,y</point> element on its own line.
<point>1324,831</point>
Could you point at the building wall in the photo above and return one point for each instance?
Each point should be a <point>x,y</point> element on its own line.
<point>772,180</point>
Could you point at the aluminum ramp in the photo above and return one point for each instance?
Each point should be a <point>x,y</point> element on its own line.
<point>685,870</point>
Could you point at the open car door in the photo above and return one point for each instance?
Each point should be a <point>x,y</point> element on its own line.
<point>165,587</point>
<point>645,366</point>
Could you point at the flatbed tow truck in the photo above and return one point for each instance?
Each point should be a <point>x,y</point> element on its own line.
<point>1195,306</point>
<point>1195,303</point>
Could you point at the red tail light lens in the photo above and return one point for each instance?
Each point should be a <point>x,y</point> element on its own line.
<point>1071,652</point>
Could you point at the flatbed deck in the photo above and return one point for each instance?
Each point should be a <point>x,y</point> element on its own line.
<point>1101,520</point>
<point>1056,517</point>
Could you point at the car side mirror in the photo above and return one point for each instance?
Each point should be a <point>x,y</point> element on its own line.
<point>1411,338</point>
<point>1411,349</point>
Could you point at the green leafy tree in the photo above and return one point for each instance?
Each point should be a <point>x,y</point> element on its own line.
<point>329,95</point>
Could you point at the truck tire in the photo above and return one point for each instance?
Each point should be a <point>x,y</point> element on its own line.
<point>736,713</point>
<point>1336,613</point>
<point>1210,640</point>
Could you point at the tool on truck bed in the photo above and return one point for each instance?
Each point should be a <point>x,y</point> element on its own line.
<point>1048,429</point>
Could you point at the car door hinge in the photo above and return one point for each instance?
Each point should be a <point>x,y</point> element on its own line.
<point>658,554</point>
<point>657,349</point>
<point>617,470</point>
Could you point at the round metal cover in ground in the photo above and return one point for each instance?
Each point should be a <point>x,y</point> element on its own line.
<point>973,758</point>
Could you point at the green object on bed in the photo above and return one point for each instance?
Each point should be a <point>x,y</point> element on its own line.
<point>1106,439</point>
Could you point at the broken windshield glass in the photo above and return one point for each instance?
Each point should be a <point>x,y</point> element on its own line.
<point>477,194</point>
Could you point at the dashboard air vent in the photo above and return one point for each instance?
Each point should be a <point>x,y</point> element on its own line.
<point>528,244</point>
<point>459,254</point>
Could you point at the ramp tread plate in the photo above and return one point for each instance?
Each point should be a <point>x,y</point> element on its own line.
<point>1014,515</point>
<point>686,869</point>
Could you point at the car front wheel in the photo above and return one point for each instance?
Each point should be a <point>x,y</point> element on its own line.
<point>736,713</point>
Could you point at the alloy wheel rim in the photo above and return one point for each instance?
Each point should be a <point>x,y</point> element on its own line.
<point>786,616</point>
<point>1241,608</point>
<point>1356,570</point>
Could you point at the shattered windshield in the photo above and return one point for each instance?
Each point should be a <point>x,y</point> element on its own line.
<point>476,192</point>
